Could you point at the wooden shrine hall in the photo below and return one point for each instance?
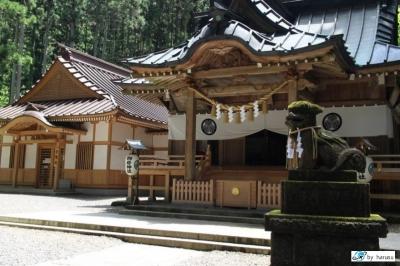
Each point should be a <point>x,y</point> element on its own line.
<point>228,86</point>
<point>67,131</point>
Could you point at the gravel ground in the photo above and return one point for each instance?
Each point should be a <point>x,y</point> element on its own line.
<point>17,203</point>
<point>217,258</point>
<point>22,247</point>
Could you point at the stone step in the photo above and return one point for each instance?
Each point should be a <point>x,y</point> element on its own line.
<point>206,210</point>
<point>195,216</point>
<point>191,240</point>
<point>154,240</point>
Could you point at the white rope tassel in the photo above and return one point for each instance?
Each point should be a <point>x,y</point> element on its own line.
<point>256,109</point>
<point>242,114</point>
<point>230,114</point>
<point>289,148</point>
<point>218,110</point>
<point>299,145</point>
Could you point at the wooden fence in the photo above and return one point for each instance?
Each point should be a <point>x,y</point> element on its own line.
<point>387,162</point>
<point>268,195</point>
<point>193,191</point>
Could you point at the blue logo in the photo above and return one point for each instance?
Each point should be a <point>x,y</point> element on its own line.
<point>359,256</point>
<point>371,168</point>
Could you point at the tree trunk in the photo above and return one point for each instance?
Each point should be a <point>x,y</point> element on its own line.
<point>49,22</point>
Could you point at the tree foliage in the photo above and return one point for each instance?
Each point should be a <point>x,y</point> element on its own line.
<point>109,29</point>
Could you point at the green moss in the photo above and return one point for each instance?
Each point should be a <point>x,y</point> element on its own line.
<point>305,107</point>
<point>371,218</point>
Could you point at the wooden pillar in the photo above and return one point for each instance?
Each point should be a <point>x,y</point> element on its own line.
<point>167,187</point>
<point>292,91</point>
<point>109,146</point>
<point>57,162</point>
<point>190,140</point>
<point>15,160</point>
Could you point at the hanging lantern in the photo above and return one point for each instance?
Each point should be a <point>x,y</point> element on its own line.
<point>242,114</point>
<point>218,111</point>
<point>230,114</point>
<point>256,109</point>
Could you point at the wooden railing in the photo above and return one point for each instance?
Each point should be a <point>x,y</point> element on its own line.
<point>268,195</point>
<point>387,162</point>
<point>387,171</point>
<point>193,191</point>
<point>172,161</point>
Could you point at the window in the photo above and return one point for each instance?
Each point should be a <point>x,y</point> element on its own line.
<point>84,156</point>
<point>21,156</point>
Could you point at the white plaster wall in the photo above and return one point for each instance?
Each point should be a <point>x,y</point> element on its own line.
<point>101,131</point>
<point>7,139</point>
<point>100,157</point>
<point>160,141</point>
<point>118,158</point>
<point>89,134</point>
<point>70,156</point>
<point>147,139</point>
<point>121,132</point>
<point>30,156</point>
<point>5,157</point>
<point>161,154</point>
<point>70,152</point>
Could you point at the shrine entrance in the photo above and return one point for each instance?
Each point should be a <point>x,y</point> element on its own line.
<point>45,167</point>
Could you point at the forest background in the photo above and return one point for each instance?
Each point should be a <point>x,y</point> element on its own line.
<point>108,29</point>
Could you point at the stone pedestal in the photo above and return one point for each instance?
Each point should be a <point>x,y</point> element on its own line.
<point>324,217</point>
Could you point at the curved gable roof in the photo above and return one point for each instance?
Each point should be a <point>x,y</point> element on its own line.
<point>96,75</point>
<point>292,41</point>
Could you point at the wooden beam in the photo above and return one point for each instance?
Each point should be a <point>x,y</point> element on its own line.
<point>29,132</point>
<point>110,129</point>
<point>15,166</point>
<point>292,91</point>
<point>190,140</point>
<point>57,162</point>
<point>394,97</point>
<point>239,90</point>
<point>236,71</point>
<point>45,141</point>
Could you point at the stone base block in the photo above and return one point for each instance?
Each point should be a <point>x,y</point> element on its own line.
<point>300,240</point>
<point>326,198</point>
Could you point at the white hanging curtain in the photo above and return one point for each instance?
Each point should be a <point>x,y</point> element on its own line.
<point>360,121</point>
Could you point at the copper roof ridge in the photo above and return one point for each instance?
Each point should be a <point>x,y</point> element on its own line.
<point>94,84</point>
<point>73,50</point>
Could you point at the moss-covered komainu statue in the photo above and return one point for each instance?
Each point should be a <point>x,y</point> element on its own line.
<point>311,147</point>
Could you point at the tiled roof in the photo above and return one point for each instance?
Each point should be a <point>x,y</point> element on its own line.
<point>97,75</point>
<point>365,27</point>
<point>61,108</point>
<point>260,43</point>
<point>102,75</point>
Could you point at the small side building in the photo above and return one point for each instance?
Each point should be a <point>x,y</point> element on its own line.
<point>70,126</point>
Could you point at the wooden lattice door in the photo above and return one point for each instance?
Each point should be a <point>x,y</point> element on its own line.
<point>46,173</point>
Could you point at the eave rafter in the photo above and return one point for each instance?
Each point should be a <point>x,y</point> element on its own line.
<point>45,127</point>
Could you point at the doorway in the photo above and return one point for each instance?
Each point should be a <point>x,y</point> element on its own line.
<point>266,148</point>
<point>45,167</point>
